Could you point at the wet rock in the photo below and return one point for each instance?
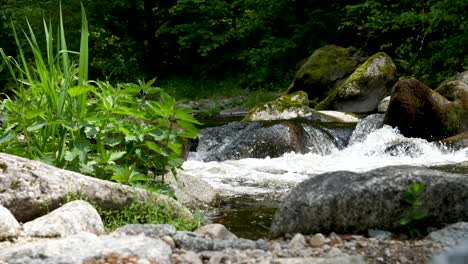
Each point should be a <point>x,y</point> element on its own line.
<point>149,230</point>
<point>325,69</point>
<point>350,202</point>
<point>418,111</point>
<point>72,218</point>
<point>9,227</point>
<point>404,148</point>
<point>215,231</point>
<point>272,139</point>
<point>192,241</point>
<point>87,247</point>
<point>451,235</point>
<point>459,141</point>
<point>30,188</point>
<point>365,127</point>
<point>365,88</point>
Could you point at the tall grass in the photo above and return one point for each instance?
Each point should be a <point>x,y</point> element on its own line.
<point>112,132</point>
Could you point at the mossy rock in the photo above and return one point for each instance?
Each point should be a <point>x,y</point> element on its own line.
<point>325,69</point>
<point>365,88</point>
<point>288,106</point>
<point>418,111</point>
<point>457,93</point>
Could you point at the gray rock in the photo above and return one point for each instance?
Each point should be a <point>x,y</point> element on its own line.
<point>354,202</point>
<point>456,255</point>
<point>186,257</point>
<point>383,105</point>
<point>365,127</point>
<point>463,77</point>
<point>365,88</point>
<point>72,218</point>
<point>191,241</point>
<point>193,191</point>
<point>451,235</point>
<point>379,234</point>
<point>237,256</point>
<point>30,188</point>
<point>9,227</point>
<point>86,246</point>
<point>239,140</point>
<point>215,231</point>
<point>149,230</point>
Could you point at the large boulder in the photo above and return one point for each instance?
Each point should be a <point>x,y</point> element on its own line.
<point>365,88</point>
<point>457,93</point>
<point>238,140</point>
<point>325,69</point>
<point>418,111</point>
<point>30,188</point>
<point>348,202</point>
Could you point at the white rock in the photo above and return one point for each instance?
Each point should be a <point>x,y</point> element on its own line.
<point>341,116</point>
<point>9,227</point>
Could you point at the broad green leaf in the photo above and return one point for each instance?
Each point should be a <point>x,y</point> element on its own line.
<point>116,155</point>
<point>79,90</point>
<point>36,126</point>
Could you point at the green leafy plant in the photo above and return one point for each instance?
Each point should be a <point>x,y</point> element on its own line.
<point>412,197</point>
<point>129,133</point>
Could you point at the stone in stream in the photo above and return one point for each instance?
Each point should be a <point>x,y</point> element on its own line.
<point>69,219</point>
<point>349,202</point>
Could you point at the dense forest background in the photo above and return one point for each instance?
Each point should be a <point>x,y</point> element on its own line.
<point>256,44</point>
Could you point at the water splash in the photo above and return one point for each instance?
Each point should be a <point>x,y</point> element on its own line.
<point>382,147</point>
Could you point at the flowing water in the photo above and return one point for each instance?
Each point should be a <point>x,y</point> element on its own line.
<point>254,187</point>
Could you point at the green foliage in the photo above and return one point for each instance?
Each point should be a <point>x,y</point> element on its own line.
<point>412,197</point>
<point>427,39</point>
<point>126,132</point>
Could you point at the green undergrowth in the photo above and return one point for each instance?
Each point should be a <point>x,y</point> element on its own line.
<point>141,212</point>
<point>129,133</point>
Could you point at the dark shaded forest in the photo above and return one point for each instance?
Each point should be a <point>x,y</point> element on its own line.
<point>259,44</point>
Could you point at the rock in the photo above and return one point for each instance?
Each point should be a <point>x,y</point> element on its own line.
<point>297,243</point>
<point>463,77</point>
<point>236,256</point>
<point>418,111</point>
<point>459,141</point>
<point>72,218</point>
<point>325,69</point>
<point>215,231</point>
<point>238,140</point>
<point>87,247</point>
<point>288,106</point>
<point>365,88</point>
<point>348,202</point>
<point>456,255</point>
<point>451,235</point>
<point>334,260</point>
<point>9,227</point>
<point>186,257</point>
<point>149,230</point>
<point>379,234</point>
<point>193,191</point>
<point>30,188</point>
<point>340,116</point>
<point>317,240</point>
<point>365,127</point>
<point>383,105</point>
<point>457,93</point>
<point>191,241</point>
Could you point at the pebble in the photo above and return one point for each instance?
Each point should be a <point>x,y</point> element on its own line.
<point>317,240</point>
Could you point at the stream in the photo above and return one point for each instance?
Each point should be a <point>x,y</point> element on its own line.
<point>254,187</point>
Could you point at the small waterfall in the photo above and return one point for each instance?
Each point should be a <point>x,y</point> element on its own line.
<point>316,140</point>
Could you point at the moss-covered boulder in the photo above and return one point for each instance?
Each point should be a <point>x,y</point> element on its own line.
<point>418,111</point>
<point>288,106</point>
<point>365,88</point>
<point>458,141</point>
<point>457,93</point>
<point>325,69</point>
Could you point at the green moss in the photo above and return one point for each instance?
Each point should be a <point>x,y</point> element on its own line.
<point>358,81</point>
<point>288,101</point>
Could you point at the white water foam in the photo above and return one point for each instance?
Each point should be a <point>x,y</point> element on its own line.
<point>260,176</point>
